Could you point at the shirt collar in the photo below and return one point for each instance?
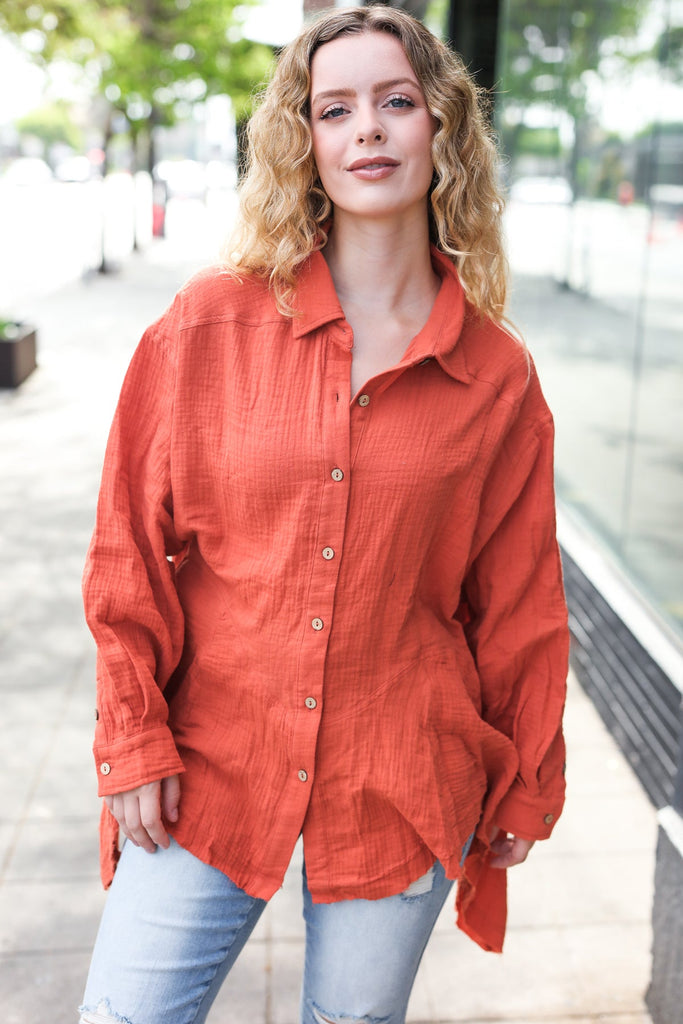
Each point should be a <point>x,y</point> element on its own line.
<point>318,304</point>
<point>316,300</point>
<point>439,337</point>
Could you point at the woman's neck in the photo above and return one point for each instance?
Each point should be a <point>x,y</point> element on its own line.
<point>381,267</point>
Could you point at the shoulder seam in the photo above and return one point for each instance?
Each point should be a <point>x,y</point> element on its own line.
<point>229,318</point>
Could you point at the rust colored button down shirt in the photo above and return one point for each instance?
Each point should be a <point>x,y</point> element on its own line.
<point>338,616</point>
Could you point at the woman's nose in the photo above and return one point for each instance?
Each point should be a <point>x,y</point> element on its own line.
<point>375,135</point>
<point>370,129</point>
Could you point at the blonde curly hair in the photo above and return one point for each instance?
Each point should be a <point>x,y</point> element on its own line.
<point>284,209</point>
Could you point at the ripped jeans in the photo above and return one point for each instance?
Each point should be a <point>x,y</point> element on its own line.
<point>173,927</point>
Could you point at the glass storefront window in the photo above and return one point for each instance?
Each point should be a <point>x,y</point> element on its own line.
<point>590,115</point>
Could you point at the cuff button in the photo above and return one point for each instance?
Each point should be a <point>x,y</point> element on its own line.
<point>105,768</point>
<point>549,819</point>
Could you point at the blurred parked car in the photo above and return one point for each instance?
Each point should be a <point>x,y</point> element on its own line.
<point>74,168</point>
<point>538,189</point>
<point>190,179</point>
<point>184,179</point>
<point>28,170</point>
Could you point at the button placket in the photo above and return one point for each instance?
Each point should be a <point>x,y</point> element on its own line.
<point>361,414</point>
<point>327,540</point>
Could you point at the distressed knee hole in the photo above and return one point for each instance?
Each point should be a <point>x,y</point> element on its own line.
<point>323,1017</point>
<point>102,1015</point>
<point>421,886</point>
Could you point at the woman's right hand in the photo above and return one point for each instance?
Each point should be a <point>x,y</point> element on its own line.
<point>140,812</point>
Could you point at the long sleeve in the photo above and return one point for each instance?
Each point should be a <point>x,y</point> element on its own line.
<point>518,619</point>
<point>130,599</point>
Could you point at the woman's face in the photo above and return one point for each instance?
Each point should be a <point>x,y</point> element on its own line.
<point>370,127</point>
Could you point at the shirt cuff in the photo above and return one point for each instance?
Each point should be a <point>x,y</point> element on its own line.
<point>136,760</point>
<point>528,817</point>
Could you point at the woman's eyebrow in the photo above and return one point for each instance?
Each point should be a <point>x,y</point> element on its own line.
<point>390,83</point>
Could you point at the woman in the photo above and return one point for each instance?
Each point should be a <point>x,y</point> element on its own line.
<point>324,582</point>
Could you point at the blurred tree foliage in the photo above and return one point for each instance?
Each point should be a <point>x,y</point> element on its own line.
<point>150,58</point>
<point>551,46</point>
<point>52,124</point>
<point>553,49</point>
<point>669,53</point>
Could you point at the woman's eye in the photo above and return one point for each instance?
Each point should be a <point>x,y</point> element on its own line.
<point>331,112</point>
<point>400,101</point>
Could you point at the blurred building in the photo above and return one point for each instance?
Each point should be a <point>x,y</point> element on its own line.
<point>590,113</point>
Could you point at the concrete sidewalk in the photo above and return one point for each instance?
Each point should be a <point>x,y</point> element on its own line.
<point>579,925</point>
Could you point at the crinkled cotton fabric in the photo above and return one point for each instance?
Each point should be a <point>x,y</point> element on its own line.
<point>338,615</point>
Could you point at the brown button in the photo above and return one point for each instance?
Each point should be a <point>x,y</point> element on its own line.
<point>303,776</point>
<point>337,475</point>
<point>364,400</point>
<point>105,768</point>
<point>311,703</point>
<point>549,819</point>
<point>97,715</point>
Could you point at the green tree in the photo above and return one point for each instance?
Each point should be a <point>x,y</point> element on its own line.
<point>47,28</point>
<point>52,123</point>
<point>161,55</point>
<point>552,49</point>
<point>151,58</point>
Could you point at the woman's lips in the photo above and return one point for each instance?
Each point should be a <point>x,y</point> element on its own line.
<point>370,169</point>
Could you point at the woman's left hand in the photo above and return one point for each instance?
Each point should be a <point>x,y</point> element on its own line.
<point>510,850</point>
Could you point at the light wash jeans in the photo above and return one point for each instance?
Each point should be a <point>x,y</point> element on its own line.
<point>173,927</point>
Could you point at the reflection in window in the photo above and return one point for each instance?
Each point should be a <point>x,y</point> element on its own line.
<point>591,124</point>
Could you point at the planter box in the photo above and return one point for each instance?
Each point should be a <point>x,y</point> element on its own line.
<point>17,356</point>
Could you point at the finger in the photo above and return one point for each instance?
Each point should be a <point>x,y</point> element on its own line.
<point>135,824</point>
<point>502,849</point>
<point>170,797</point>
<point>150,815</point>
<point>510,852</point>
<point>116,805</point>
<point>521,849</point>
